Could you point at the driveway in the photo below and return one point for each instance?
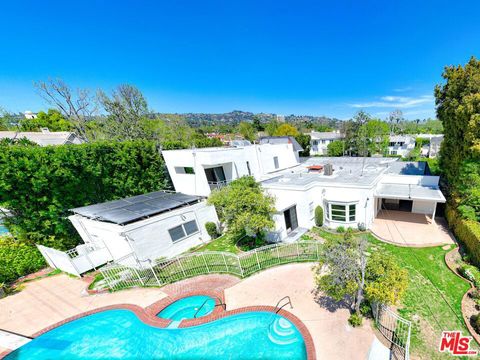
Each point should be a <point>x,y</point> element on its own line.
<point>407,229</point>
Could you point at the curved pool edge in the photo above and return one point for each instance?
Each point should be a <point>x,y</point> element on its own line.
<point>148,316</point>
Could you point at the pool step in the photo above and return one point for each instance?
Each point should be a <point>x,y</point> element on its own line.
<point>174,324</point>
<point>282,332</point>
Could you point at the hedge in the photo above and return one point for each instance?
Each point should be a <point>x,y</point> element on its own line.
<point>466,231</point>
<point>18,259</point>
<point>40,184</point>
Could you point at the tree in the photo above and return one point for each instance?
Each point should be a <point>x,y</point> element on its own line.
<point>257,124</point>
<point>286,130</point>
<point>244,209</point>
<point>355,144</point>
<point>247,131</point>
<point>126,109</point>
<point>78,107</point>
<point>271,127</point>
<point>319,216</point>
<point>336,148</point>
<point>374,136</point>
<point>394,118</point>
<point>53,120</point>
<point>346,270</point>
<point>304,141</point>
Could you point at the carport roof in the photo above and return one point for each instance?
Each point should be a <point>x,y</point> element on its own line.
<point>410,192</point>
<point>131,209</point>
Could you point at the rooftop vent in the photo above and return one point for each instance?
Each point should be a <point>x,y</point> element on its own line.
<point>328,169</point>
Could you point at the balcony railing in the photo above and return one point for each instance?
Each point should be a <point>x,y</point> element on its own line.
<point>218,184</point>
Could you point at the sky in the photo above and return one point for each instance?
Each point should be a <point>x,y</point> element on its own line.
<point>329,58</point>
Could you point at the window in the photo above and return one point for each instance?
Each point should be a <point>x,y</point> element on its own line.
<point>342,212</point>
<point>393,152</point>
<point>182,231</point>
<point>275,162</point>
<point>323,141</point>
<point>248,168</point>
<point>184,170</point>
<point>190,227</point>
<point>315,142</point>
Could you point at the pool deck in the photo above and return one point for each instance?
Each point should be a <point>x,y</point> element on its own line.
<point>46,302</point>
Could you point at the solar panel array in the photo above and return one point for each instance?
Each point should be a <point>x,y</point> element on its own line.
<point>134,208</point>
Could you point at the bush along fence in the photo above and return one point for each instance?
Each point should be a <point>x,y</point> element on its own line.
<point>395,329</point>
<point>130,272</point>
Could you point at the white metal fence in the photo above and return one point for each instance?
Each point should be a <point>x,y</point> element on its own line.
<point>395,328</point>
<point>129,271</point>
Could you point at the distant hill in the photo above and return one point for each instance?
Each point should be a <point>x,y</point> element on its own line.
<point>237,116</point>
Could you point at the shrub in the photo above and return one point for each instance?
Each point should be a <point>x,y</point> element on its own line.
<point>475,321</point>
<point>355,320</point>
<point>468,232</point>
<point>319,216</point>
<point>212,229</point>
<point>365,309</point>
<point>340,229</point>
<point>18,259</point>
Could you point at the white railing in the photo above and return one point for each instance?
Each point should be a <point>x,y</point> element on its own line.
<point>396,329</point>
<point>129,271</point>
<point>218,184</point>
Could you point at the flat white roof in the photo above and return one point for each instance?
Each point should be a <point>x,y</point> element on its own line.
<point>410,192</point>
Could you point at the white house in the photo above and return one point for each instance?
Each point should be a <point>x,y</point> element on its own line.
<point>432,149</point>
<point>44,138</point>
<point>320,140</point>
<point>351,192</point>
<point>401,145</point>
<point>150,226</point>
<point>198,171</point>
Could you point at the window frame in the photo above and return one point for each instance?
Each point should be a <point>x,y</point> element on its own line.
<point>347,215</point>
<point>185,233</point>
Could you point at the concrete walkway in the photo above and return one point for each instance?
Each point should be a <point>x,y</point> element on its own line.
<point>408,229</point>
<point>47,301</point>
<point>326,321</point>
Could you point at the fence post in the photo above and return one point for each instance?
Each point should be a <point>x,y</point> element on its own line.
<point>258,262</point>
<point>138,275</point>
<point>155,275</point>
<point>181,267</point>
<point>205,261</point>
<point>240,265</point>
<point>225,261</point>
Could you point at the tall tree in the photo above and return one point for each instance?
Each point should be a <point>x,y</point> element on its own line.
<point>79,106</point>
<point>247,131</point>
<point>127,110</point>
<point>286,130</point>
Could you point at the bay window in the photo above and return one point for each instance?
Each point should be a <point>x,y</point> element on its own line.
<point>342,212</point>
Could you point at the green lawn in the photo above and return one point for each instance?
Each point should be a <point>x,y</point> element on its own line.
<point>223,243</point>
<point>433,298</point>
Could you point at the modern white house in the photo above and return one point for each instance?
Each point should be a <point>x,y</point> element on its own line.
<point>150,226</point>
<point>199,171</point>
<point>319,141</point>
<point>45,137</point>
<point>351,192</point>
<point>401,145</point>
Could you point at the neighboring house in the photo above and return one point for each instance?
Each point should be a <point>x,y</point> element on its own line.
<point>29,115</point>
<point>199,171</point>
<point>401,145</point>
<point>432,149</point>
<point>150,226</point>
<point>45,137</point>
<point>351,192</point>
<point>320,140</point>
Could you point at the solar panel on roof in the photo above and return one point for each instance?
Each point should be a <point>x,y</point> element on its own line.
<point>130,209</point>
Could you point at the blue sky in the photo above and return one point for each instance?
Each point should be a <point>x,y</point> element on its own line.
<point>304,57</point>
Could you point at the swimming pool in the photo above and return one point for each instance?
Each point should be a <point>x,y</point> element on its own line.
<point>3,230</point>
<point>119,334</point>
<point>188,307</point>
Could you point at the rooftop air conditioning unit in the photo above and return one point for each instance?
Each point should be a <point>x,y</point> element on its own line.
<point>328,169</point>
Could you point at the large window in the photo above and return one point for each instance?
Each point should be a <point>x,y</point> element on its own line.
<point>342,212</point>
<point>182,231</point>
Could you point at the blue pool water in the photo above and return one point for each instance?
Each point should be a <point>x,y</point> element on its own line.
<point>187,307</point>
<point>119,334</point>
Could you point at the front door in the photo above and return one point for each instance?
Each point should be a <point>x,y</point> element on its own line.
<point>291,221</point>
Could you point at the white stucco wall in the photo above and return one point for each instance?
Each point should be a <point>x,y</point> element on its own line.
<point>423,207</point>
<point>148,238</point>
<point>234,161</point>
